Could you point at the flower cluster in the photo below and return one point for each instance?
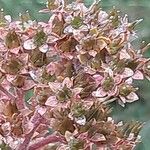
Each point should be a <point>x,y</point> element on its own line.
<point>74,65</point>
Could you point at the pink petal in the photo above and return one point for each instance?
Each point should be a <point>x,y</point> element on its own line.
<point>76,92</point>
<point>99,93</point>
<point>41,110</point>
<point>24,58</point>
<point>68,55</point>
<point>98,137</point>
<point>44,48</point>
<point>29,84</point>
<point>124,54</point>
<point>15,50</point>
<point>55,86</point>
<point>138,75</point>
<point>51,68</point>
<point>132,97</point>
<point>129,81</point>
<point>127,73</point>
<point>92,53</point>
<point>117,79</point>
<point>123,99</point>
<point>28,127</point>
<point>89,70</point>
<point>29,44</point>
<point>51,101</point>
<point>98,78</point>
<point>113,92</point>
<point>120,102</point>
<point>25,112</point>
<point>68,82</point>
<point>10,78</point>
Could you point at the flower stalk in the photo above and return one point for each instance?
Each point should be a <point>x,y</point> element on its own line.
<point>7,93</point>
<point>49,139</point>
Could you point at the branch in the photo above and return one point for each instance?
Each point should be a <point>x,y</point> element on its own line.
<point>11,96</point>
<point>20,99</point>
<point>47,140</point>
<point>36,119</point>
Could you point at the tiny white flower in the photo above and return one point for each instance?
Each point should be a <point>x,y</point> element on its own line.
<point>29,44</point>
<point>44,48</point>
<point>80,120</point>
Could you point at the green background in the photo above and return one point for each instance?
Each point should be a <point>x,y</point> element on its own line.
<point>136,9</point>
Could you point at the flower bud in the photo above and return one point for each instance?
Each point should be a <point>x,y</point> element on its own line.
<point>37,58</point>
<point>125,89</point>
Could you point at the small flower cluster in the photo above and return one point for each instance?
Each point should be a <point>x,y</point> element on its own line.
<point>74,65</point>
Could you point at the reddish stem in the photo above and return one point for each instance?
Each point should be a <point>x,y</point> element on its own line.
<point>11,96</point>
<point>45,141</point>
<point>36,119</point>
<point>20,99</point>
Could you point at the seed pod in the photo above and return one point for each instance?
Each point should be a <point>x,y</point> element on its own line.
<point>40,38</point>
<point>37,58</point>
<point>12,66</point>
<point>88,44</point>
<point>10,109</point>
<point>114,17</point>
<point>83,80</point>
<point>58,27</point>
<point>119,66</point>
<point>19,81</point>
<point>12,40</point>
<point>68,45</point>
<point>3,21</point>
<point>63,125</point>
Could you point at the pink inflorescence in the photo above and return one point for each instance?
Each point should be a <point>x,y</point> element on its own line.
<point>73,66</point>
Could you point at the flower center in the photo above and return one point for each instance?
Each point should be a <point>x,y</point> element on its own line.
<point>108,84</point>
<point>125,89</point>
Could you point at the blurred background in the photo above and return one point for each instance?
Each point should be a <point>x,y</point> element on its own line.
<point>136,9</point>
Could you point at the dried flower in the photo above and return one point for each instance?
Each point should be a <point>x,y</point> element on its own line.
<point>72,66</point>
